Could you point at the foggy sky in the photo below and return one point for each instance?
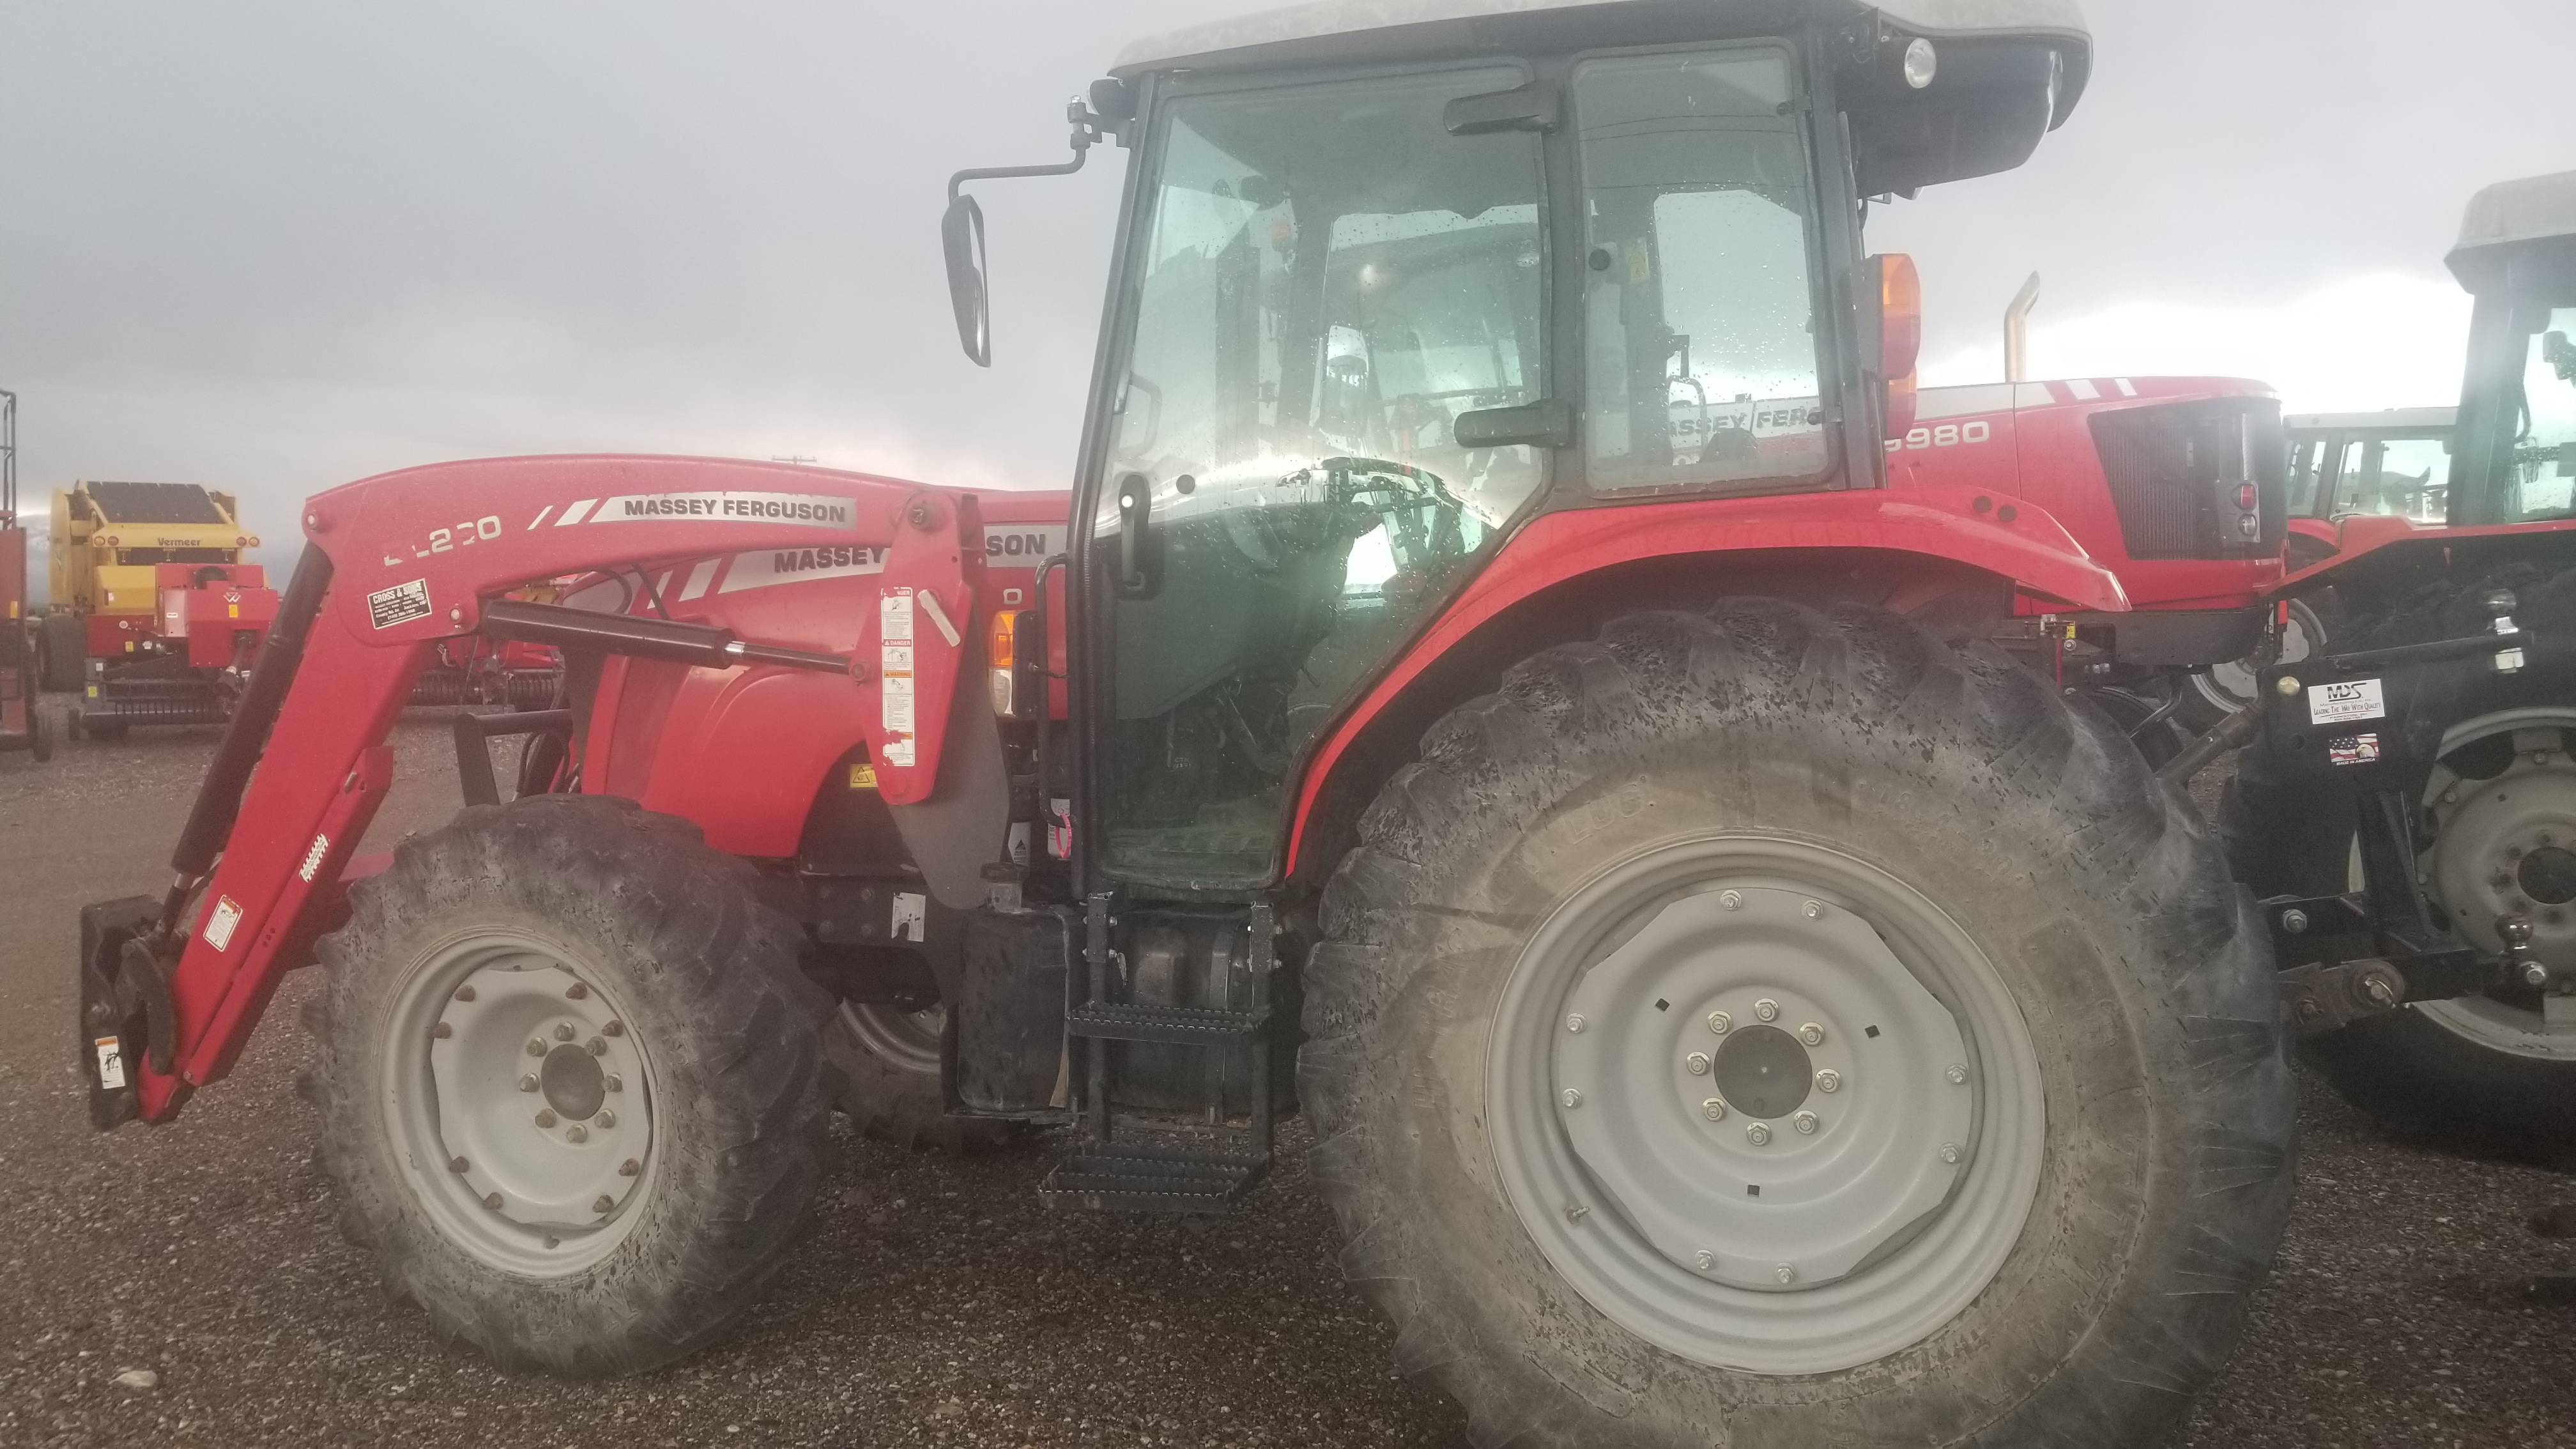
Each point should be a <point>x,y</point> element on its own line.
<point>274,246</point>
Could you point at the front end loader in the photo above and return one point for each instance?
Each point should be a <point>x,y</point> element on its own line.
<point>1487,698</point>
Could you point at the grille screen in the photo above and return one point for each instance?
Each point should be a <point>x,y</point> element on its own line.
<point>2172,466</point>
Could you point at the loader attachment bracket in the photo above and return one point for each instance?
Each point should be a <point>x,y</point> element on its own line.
<point>125,1009</point>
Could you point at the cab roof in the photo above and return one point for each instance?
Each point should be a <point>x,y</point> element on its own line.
<point>1293,33</point>
<point>2510,215</point>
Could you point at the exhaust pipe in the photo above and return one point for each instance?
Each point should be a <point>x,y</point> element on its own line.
<point>2017,331</point>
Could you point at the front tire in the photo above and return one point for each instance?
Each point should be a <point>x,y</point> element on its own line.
<point>886,1061</point>
<point>2055,1160</point>
<point>572,1085</point>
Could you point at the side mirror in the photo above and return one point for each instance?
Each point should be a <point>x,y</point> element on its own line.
<point>961,235</point>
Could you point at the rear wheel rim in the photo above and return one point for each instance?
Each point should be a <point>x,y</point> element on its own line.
<point>520,1101</point>
<point>1886,1204</point>
<point>906,1040</point>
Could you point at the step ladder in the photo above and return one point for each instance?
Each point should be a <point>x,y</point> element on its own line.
<point>1146,1170</point>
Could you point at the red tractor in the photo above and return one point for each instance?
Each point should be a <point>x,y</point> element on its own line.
<point>1725,988</point>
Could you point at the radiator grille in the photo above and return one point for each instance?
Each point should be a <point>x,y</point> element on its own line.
<point>2171,467</point>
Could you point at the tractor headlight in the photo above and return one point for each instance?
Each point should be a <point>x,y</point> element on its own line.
<point>1922,63</point>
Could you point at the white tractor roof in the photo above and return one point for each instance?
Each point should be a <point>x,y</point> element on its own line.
<point>1318,19</point>
<point>2535,208</point>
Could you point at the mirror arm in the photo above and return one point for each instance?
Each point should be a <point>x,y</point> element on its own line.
<point>1087,131</point>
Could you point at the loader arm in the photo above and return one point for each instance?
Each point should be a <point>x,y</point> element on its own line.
<point>397,563</point>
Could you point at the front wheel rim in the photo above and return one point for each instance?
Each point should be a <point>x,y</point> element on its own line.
<point>520,1100</point>
<point>1764,1105</point>
<point>2488,826</point>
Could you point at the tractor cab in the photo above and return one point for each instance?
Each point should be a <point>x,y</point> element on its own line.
<point>2516,459</point>
<point>1387,293</point>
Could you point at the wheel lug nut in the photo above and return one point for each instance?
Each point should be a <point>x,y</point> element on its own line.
<point>576,1133</point>
<point>1957,1074</point>
<point>614,1082</point>
<point>1829,1080</point>
<point>598,1048</point>
<point>602,1203</point>
<point>465,993</point>
<point>1805,1122</point>
<point>1570,1098</point>
<point>1812,1034</point>
<point>1696,1064</point>
<point>1767,1009</point>
<point>1574,1022</point>
<point>629,1168</point>
<point>564,1032</point>
<point>546,1117</point>
<point>1950,1152</point>
<point>536,1048</point>
<point>1759,1134</point>
<point>458,1164</point>
<point>528,1082</point>
<point>605,1118</point>
<point>576,991</point>
<point>1812,910</point>
<point>1705,1259</point>
<point>1785,1273</point>
<point>1732,900</point>
<point>442,1031</point>
<point>492,1200</point>
<point>1713,1109</point>
<point>1719,1021</point>
<point>614,1028</point>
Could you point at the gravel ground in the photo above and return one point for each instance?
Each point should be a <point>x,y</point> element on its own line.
<point>938,1303</point>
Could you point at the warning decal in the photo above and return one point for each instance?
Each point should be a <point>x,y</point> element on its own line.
<point>400,604</point>
<point>894,673</point>
<point>221,925</point>
<point>111,1062</point>
<point>909,913</point>
<point>2354,699</point>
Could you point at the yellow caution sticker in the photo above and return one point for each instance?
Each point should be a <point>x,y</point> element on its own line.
<point>863,777</point>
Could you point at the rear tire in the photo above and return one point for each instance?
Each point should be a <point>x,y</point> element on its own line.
<point>2124,1176</point>
<point>40,732</point>
<point>679,1039</point>
<point>63,645</point>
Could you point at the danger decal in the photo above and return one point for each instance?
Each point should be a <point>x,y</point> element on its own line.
<point>400,604</point>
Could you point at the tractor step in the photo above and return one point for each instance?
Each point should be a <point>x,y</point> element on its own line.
<point>1132,1177</point>
<point>1186,1025</point>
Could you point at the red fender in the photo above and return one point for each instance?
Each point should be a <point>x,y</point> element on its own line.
<point>2007,537</point>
